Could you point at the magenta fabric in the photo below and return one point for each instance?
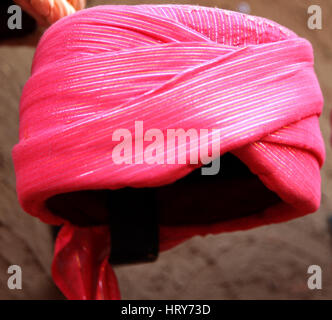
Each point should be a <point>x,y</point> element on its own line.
<point>169,66</point>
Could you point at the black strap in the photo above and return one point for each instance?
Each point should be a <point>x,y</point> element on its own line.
<point>134,225</point>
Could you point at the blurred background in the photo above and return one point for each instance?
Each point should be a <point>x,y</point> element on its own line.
<point>265,263</point>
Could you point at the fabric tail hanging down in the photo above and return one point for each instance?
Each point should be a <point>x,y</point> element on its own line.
<point>170,66</point>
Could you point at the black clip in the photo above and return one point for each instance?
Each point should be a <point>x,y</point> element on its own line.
<point>134,225</point>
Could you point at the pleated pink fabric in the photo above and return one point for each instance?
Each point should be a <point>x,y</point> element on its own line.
<point>169,66</point>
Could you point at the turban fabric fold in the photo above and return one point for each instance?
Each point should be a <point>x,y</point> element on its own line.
<point>169,66</point>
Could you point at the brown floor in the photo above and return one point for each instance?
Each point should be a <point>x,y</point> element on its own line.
<point>268,262</point>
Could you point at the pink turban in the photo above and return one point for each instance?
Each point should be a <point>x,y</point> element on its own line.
<point>167,66</point>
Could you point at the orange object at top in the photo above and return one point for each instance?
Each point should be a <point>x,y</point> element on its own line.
<point>47,12</point>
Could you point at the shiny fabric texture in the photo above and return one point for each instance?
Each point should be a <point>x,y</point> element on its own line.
<point>170,66</point>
